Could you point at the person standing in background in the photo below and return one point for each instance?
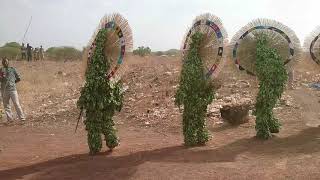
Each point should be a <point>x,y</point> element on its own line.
<point>23,52</point>
<point>8,78</point>
<point>36,54</point>
<point>29,52</point>
<point>41,52</point>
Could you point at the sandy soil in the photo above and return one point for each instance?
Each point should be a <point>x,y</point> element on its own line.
<point>149,126</point>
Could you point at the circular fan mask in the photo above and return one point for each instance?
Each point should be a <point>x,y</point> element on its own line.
<point>315,49</point>
<point>244,44</point>
<point>118,41</point>
<point>212,45</point>
<point>312,44</point>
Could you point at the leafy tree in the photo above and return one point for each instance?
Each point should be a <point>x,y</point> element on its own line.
<point>272,78</point>
<point>195,93</point>
<point>142,51</point>
<point>100,98</point>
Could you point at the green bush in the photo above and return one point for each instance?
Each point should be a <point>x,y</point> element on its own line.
<point>272,79</point>
<point>100,99</point>
<point>195,93</point>
<point>13,44</point>
<point>10,50</point>
<point>142,51</point>
<point>63,53</point>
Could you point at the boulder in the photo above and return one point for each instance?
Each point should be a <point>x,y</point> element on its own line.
<point>235,114</point>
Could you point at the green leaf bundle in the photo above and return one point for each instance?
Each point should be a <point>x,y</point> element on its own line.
<point>195,93</point>
<point>100,99</point>
<point>272,77</point>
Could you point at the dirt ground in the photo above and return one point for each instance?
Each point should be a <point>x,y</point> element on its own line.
<point>149,126</point>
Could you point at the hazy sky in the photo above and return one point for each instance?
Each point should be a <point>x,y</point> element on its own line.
<point>159,24</point>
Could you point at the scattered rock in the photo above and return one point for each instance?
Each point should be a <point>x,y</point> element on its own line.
<point>60,73</point>
<point>217,84</point>
<point>287,100</point>
<point>235,114</point>
<point>227,99</point>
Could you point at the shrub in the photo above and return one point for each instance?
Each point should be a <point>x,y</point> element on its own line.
<point>13,44</point>
<point>10,50</point>
<point>64,52</point>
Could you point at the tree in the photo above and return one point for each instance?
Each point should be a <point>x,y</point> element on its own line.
<point>100,99</point>
<point>272,78</point>
<point>195,93</point>
<point>142,51</point>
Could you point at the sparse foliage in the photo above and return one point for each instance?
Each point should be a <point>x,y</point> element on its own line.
<point>195,93</point>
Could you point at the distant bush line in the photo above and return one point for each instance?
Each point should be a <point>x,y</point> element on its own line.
<point>145,51</point>
<point>170,52</point>
<point>63,53</point>
<point>12,51</point>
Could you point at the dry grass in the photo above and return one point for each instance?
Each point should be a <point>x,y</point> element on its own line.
<point>46,78</point>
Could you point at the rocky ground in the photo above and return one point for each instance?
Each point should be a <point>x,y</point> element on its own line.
<point>46,147</point>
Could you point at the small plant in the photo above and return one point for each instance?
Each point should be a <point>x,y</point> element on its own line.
<point>195,93</point>
<point>100,98</point>
<point>272,79</point>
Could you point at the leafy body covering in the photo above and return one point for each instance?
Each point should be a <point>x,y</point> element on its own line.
<point>272,79</point>
<point>195,93</point>
<point>100,99</point>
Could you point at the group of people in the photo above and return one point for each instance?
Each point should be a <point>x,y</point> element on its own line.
<point>29,53</point>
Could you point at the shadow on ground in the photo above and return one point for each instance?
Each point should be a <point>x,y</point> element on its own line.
<point>105,166</point>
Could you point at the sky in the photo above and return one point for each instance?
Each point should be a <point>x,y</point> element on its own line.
<point>159,24</point>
